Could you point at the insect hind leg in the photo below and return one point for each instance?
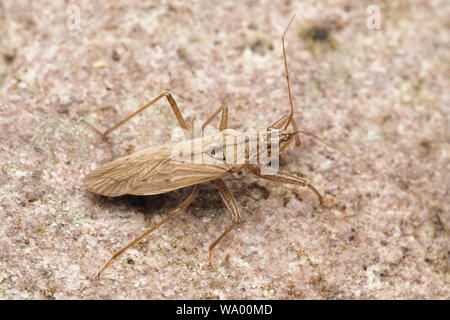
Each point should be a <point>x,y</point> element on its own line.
<point>172,104</point>
<point>172,214</point>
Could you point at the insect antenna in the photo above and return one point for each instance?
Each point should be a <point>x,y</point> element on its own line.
<point>291,115</point>
<point>287,73</point>
<point>312,135</point>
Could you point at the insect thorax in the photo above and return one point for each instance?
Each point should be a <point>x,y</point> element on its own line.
<point>231,147</point>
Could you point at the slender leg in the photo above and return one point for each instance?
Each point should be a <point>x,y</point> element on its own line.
<point>298,142</point>
<point>284,178</point>
<point>231,204</point>
<point>282,121</point>
<point>223,119</point>
<point>172,214</point>
<point>172,103</point>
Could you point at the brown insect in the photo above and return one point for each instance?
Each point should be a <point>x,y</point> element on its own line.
<point>155,170</point>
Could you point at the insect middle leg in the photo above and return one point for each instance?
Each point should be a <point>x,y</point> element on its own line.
<point>173,105</point>
<point>172,214</point>
<point>285,178</point>
<point>231,204</point>
<point>223,119</point>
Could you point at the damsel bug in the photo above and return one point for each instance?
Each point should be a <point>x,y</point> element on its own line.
<point>157,170</point>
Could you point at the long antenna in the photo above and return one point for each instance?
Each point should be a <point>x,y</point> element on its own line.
<point>287,73</point>
<point>331,146</point>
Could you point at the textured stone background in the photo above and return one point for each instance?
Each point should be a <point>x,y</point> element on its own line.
<point>381,96</point>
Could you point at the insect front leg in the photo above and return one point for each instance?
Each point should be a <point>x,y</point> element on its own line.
<point>172,214</point>
<point>285,178</point>
<point>282,122</point>
<point>298,142</point>
<point>173,105</point>
<point>231,204</point>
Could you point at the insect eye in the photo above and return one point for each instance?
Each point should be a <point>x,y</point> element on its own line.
<point>211,151</point>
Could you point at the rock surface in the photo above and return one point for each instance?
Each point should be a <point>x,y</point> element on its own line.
<point>380,96</point>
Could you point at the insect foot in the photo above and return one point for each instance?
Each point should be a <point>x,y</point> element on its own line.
<point>328,202</point>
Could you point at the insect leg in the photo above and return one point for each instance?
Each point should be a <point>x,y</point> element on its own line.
<point>231,204</point>
<point>285,178</point>
<point>282,121</point>
<point>223,119</point>
<point>172,214</point>
<point>172,103</point>
<point>298,142</point>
